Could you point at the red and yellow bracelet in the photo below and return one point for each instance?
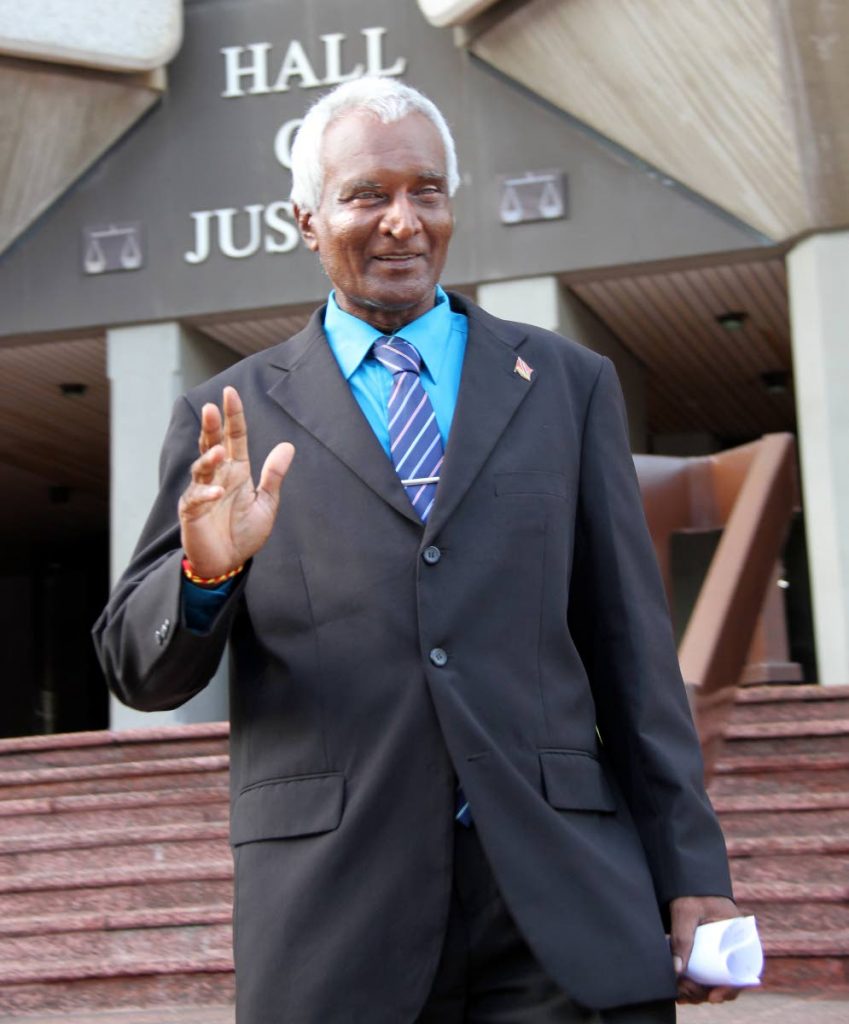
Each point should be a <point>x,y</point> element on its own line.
<point>210,581</point>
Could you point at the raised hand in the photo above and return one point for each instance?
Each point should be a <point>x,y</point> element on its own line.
<point>224,519</point>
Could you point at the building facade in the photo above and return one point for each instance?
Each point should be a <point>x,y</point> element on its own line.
<point>669,190</point>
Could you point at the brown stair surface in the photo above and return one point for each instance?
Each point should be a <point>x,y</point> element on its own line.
<point>115,875</point>
<point>781,788</point>
<point>116,878</point>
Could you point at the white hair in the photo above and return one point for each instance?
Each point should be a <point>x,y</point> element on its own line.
<point>389,99</point>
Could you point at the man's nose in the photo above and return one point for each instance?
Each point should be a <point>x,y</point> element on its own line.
<point>401,219</point>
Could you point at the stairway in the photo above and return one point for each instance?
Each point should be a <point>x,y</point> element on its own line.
<point>116,878</point>
<point>115,872</point>
<point>781,788</point>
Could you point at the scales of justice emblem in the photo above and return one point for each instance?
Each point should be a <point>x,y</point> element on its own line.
<point>115,247</point>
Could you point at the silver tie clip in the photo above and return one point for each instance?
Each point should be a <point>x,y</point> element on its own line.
<point>415,481</point>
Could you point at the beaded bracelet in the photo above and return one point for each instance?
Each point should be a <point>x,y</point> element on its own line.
<point>212,581</point>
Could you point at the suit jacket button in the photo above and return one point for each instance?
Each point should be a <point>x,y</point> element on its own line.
<point>431,555</point>
<point>438,657</point>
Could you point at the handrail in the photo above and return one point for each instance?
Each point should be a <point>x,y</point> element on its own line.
<point>752,492</point>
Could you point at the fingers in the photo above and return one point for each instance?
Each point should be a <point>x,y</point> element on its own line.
<point>202,490</point>
<point>684,914</point>
<point>229,429</point>
<point>204,467</point>
<point>723,994</point>
<point>210,427</point>
<point>235,428</point>
<point>195,500</point>
<point>274,471</point>
<point>690,991</point>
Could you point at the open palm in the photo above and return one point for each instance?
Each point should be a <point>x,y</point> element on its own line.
<point>224,519</point>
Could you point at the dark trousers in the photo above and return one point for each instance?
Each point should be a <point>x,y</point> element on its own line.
<point>488,975</point>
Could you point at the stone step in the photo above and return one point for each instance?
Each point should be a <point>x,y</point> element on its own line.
<point>67,987</point>
<point>778,800</point>
<point>119,945</point>
<point>816,918</point>
<point>130,847</point>
<point>806,961</point>
<point>93,921</point>
<point>789,891</point>
<point>768,762</point>
<point>209,1014</point>
<point>104,838</point>
<point>803,867</point>
<point>180,779</point>
<point>771,845</point>
<point>69,757</point>
<point>824,822</point>
<point>105,746</point>
<point>795,780</point>
<point>813,971</point>
<point>115,872</point>
<point>814,736</point>
<point>67,814</point>
<point>795,728</point>
<point>117,889</point>
<point>789,711</point>
<point>796,906</point>
<point>790,942</point>
<point>792,693</point>
<point>99,778</point>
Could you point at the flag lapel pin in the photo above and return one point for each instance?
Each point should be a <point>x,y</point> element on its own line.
<point>523,369</point>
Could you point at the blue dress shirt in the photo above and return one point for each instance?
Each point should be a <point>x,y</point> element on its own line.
<point>439,335</point>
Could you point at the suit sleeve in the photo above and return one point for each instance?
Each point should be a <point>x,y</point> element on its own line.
<point>151,659</point>
<point>620,622</point>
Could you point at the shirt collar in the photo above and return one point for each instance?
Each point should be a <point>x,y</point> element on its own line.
<point>352,338</point>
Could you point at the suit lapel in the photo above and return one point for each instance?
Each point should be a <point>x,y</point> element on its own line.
<point>313,392</point>
<point>490,393</point>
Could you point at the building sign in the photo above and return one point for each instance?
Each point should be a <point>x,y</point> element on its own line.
<point>252,69</point>
<point>188,213</point>
<point>535,195</point>
<point>257,69</point>
<point>108,247</point>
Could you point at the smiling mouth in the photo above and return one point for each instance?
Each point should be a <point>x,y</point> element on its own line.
<point>399,257</point>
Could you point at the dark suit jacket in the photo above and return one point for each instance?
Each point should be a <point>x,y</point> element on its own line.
<point>560,706</point>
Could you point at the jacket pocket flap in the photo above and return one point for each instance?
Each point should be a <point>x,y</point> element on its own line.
<point>574,781</point>
<point>283,808</point>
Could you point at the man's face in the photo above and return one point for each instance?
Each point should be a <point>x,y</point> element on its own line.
<point>384,222</point>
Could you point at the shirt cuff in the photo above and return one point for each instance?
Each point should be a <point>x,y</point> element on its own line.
<point>202,604</point>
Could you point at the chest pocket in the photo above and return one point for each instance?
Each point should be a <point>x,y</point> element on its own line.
<point>530,482</point>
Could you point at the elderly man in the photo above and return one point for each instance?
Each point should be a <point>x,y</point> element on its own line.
<point>465,782</point>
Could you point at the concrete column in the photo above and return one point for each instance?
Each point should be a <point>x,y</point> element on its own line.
<point>818,271</point>
<point>544,302</point>
<point>149,367</point>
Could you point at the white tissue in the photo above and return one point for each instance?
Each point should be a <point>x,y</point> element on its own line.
<point>727,953</point>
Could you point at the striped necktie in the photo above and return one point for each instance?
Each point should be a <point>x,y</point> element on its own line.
<point>414,439</point>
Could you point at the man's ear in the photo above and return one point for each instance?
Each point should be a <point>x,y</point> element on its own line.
<point>303,218</point>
